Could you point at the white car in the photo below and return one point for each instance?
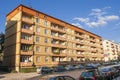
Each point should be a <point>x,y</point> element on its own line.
<point>43,70</point>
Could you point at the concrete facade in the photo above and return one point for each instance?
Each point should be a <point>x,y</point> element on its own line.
<point>111,50</point>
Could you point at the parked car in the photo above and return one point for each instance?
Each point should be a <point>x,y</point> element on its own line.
<point>91,66</point>
<point>116,71</point>
<point>59,69</point>
<point>108,72</point>
<point>70,67</point>
<point>56,77</point>
<point>91,75</point>
<point>79,66</point>
<point>44,69</point>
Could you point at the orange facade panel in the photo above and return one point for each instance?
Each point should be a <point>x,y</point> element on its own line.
<point>26,52</point>
<point>58,30</point>
<point>26,64</point>
<point>26,41</point>
<point>27,20</point>
<point>58,46</point>
<point>27,31</point>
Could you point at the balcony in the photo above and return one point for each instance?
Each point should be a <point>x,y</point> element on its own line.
<point>23,52</point>
<point>27,31</point>
<point>58,29</point>
<point>93,50</point>
<point>27,20</point>
<point>58,46</point>
<point>100,55</point>
<point>59,38</point>
<point>92,40</point>
<point>81,48</point>
<point>80,36</point>
<point>26,64</point>
<point>26,41</point>
<point>79,42</point>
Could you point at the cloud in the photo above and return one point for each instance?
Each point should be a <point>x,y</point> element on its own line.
<point>97,12</point>
<point>77,24</point>
<point>82,19</point>
<point>97,17</point>
<point>111,18</point>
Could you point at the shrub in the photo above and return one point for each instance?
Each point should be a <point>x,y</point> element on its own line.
<point>13,71</point>
<point>27,70</point>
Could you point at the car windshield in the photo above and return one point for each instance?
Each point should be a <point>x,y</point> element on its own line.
<point>87,74</point>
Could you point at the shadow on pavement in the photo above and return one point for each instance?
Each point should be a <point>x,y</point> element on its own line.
<point>35,78</point>
<point>2,72</point>
<point>2,77</point>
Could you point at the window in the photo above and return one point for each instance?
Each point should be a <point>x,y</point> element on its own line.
<point>46,23</point>
<point>37,29</point>
<point>37,20</point>
<point>46,40</point>
<point>46,59</point>
<point>25,47</point>
<point>24,26</point>
<point>38,49</point>
<point>25,59</point>
<point>37,59</point>
<point>46,31</point>
<point>46,49</point>
<point>37,39</point>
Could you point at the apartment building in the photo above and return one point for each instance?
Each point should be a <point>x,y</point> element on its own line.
<point>33,38</point>
<point>111,50</point>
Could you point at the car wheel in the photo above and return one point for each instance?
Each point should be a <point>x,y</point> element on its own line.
<point>42,72</point>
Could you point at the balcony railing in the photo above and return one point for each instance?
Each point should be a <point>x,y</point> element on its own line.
<point>59,38</point>
<point>57,29</point>
<point>27,31</point>
<point>26,41</point>
<point>26,64</point>
<point>80,36</point>
<point>58,45</point>
<point>27,20</point>
<point>23,52</point>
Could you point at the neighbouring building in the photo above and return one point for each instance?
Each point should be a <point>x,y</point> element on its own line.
<point>111,50</point>
<point>33,38</point>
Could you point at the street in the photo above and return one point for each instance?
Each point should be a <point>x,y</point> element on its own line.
<point>35,76</point>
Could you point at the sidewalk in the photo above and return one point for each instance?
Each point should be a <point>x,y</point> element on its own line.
<point>17,76</point>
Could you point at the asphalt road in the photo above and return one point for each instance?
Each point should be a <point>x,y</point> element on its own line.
<point>75,74</point>
<point>35,76</point>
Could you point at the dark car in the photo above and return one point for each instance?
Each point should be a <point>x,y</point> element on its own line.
<point>79,66</point>
<point>70,67</point>
<point>59,69</point>
<point>117,67</point>
<point>91,75</point>
<point>44,69</point>
<point>90,66</point>
<point>109,72</point>
<point>56,77</point>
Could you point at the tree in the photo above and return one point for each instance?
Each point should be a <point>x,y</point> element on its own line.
<point>2,37</point>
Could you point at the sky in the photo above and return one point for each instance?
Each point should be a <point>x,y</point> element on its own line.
<point>101,17</point>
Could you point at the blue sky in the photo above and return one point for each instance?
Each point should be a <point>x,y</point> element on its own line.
<point>101,17</point>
